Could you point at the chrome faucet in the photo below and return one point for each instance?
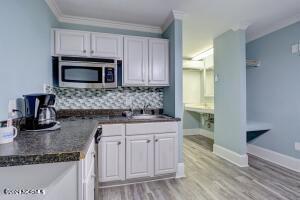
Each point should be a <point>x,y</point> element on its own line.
<point>146,105</point>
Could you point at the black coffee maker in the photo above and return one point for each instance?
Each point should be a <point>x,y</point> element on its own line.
<point>40,113</point>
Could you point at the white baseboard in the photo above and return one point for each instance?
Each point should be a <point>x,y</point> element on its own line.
<point>231,156</point>
<point>274,157</point>
<point>198,131</point>
<point>180,170</point>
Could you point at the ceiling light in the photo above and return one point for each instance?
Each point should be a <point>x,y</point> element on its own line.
<point>204,54</point>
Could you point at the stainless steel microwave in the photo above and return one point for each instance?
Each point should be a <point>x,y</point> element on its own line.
<point>78,72</point>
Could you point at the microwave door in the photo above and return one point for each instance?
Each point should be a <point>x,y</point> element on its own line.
<point>81,76</point>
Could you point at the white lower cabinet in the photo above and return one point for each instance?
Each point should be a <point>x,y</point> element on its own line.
<point>139,156</point>
<point>165,154</point>
<point>112,159</point>
<point>141,150</point>
<point>90,187</point>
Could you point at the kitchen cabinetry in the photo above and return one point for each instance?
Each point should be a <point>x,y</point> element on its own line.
<point>87,44</point>
<point>165,156</point>
<point>135,70</point>
<point>88,174</point>
<point>112,159</point>
<point>68,42</point>
<point>106,45</point>
<point>139,156</point>
<point>146,61</point>
<point>158,62</point>
<point>150,149</point>
<point>112,153</point>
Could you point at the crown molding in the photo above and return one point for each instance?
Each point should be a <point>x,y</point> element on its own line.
<point>275,27</point>
<point>240,26</point>
<point>54,8</point>
<point>99,22</point>
<point>174,14</point>
<point>109,24</point>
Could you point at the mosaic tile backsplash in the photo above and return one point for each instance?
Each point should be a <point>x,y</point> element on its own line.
<point>119,98</point>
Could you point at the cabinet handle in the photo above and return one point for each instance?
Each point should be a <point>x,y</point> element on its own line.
<point>93,154</point>
<point>92,52</point>
<point>84,51</point>
<point>148,141</point>
<point>156,140</point>
<point>119,143</point>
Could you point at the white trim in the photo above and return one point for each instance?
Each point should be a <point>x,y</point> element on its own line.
<point>198,131</point>
<point>109,24</point>
<point>174,14</point>
<point>99,22</point>
<point>241,26</point>
<point>54,8</point>
<point>233,157</point>
<point>275,157</point>
<point>180,170</point>
<point>272,28</point>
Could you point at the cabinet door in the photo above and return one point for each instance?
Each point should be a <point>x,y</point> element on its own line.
<point>158,62</point>
<point>106,45</point>
<point>165,153</point>
<point>111,159</point>
<point>72,43</point>
<point>135,61</point>
<point>139,156</point>
<point>90,187</point>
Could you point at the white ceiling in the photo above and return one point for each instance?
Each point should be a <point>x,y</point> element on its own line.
<point>203,20</point>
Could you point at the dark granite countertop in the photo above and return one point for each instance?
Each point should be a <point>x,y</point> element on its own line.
<point>70,143</point>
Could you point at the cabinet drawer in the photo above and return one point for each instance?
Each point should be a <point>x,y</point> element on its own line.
<point>113,130</point>
<point>150,128</point>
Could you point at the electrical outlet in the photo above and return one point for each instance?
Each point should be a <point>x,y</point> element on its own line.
<point>12,105</point>
<point>295,48</point>
<point>297,146</point>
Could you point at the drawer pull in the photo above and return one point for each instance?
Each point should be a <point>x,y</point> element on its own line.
<point>148,141</point>
<point>156,140</point>
<point>119,143</point>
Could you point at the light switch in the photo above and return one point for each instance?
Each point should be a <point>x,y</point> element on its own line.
<point>297,146</point>
<point>216,77</point>
<point>295,48</point>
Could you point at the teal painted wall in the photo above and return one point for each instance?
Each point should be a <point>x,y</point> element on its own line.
<point>230,91</point>
<point>173,100</point>
<point>273,89</point>
<point>24,49</point>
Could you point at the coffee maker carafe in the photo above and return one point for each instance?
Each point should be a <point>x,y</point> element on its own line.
<point>40,113</point>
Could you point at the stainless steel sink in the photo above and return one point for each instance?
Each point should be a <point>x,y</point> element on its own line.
<point>146,116</point>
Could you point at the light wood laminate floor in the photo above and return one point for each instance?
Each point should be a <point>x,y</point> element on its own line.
<point>210,177</point>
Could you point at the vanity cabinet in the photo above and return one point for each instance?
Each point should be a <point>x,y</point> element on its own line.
<point>69,42</point>
<point>135,65</point>
<point>139,156</point>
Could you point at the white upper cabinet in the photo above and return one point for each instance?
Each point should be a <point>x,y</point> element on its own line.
<point>68,42</point>
<point>135,70</point>
<point>106,45</point>
<point>158,62</point>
